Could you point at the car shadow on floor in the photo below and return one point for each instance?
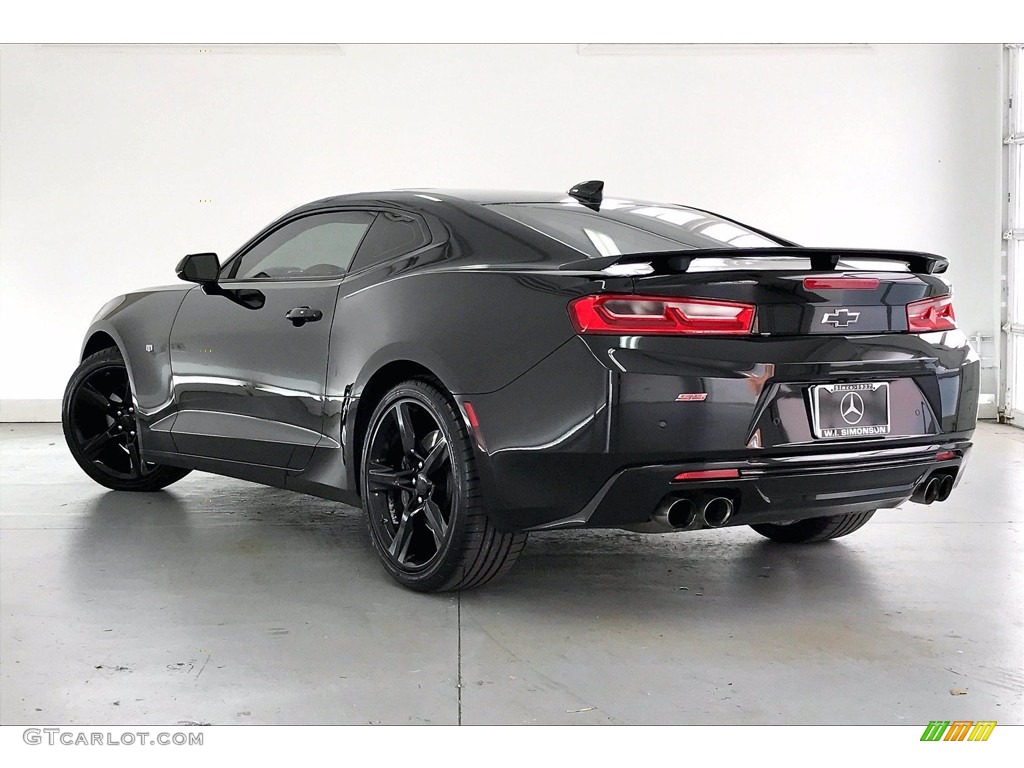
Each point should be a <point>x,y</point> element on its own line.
<point>569,573</point>
<point>722,572</point>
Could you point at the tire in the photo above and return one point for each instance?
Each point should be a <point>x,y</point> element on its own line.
<point>814,529</point>
<point>100,427</point>
<point>421,495</point>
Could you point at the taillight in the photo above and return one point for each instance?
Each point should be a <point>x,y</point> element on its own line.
<point>628,314</point>
<point>931,315</point>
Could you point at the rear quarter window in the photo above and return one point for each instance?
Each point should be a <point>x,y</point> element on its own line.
<point>391,234</point>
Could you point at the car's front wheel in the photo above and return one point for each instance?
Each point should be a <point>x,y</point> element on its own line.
<point>101,427</point>
<point>814,529</point>
<point>421,493</point>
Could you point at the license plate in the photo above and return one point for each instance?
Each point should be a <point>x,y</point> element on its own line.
<point>850,410</point>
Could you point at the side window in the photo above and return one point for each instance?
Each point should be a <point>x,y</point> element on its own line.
<point>392,234</point>
<point>321,245</point>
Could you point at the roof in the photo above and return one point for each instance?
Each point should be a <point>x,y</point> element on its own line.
<point>419,196</point>
<point>492,196</point>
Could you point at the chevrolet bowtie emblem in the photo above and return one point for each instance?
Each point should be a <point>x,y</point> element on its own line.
<point>840,318</point>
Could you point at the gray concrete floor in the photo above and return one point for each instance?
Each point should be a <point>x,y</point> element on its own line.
<point>219,601</point>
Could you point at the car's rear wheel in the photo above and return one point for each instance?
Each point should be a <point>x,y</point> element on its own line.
<point>421,493</point>
<point>814,529</point>
<point>101,427</point>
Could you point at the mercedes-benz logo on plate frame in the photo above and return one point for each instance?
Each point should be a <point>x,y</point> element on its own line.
<point>851,408</point>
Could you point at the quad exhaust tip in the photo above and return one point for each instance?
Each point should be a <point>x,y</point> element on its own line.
<point>677,514</point>
<point>686,514</point>
<point>945,488</point>
<point>717,511</point>
<point>938,487</point>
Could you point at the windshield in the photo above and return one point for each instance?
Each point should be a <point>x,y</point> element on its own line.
<point>622,227</point>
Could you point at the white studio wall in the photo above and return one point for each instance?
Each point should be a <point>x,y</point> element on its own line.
<point>116,161</point>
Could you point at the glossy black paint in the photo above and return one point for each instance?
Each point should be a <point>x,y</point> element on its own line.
<point>199,268</point>
<point>574,430</point>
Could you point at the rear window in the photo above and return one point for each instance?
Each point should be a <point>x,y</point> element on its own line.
<point>621,227</point>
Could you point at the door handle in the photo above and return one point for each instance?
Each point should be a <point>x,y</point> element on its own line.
<point>302,315</point>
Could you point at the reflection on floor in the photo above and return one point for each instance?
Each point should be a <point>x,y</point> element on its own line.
<point>218,601</point>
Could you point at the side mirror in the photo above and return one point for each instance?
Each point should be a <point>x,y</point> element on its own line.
<point>203,268</point>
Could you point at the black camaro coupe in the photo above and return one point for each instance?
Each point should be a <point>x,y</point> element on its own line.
<point>472,366</point>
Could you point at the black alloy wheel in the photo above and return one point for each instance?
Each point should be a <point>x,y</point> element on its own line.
<point>101,427</point>
<point>411,484</point>
<point>421,495</point>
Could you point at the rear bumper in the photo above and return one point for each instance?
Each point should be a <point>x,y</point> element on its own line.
<point>594,434</point>
<point>776,489</point>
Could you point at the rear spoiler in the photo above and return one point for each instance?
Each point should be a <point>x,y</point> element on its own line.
<point>822,259</point>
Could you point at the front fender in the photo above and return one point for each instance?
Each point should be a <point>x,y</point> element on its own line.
<point>140,325</point>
